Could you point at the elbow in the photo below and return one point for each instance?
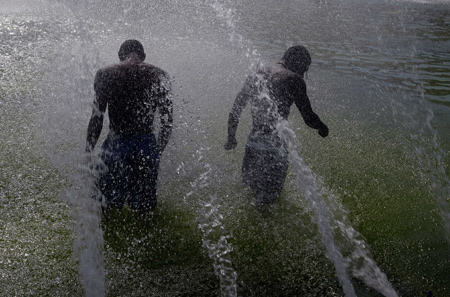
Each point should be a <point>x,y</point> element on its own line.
<point>233,118</point>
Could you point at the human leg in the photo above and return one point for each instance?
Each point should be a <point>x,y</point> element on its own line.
<point>112,172</point>
<point>144,174</point>
<point>264,171</point>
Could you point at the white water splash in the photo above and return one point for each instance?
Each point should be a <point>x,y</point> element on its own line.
<point>359,262</point>
<point>369,272</point>
<point>89,245</point>
<point>215,237</point>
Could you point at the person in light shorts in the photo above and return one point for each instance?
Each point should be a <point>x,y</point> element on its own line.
<point>271,91</point>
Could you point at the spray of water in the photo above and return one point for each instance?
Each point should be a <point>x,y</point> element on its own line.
<point>215,237</point>
<point>327,212</point>
<point>417,117</point>
<point>369,271</point>
<point>344,248</point>
<point>89,242</point>
<point>74,72</point>
<point>225,12</point>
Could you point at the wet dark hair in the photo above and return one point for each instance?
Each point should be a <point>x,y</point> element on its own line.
<point>131,46</point>
<point>297,59</point>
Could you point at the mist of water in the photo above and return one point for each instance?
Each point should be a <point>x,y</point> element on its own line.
<point>369,272</point>
<point>331,219</point>
<point>417,117</point>
<point>64,98</point>
<point>210,221</point>
<point>89,243</point>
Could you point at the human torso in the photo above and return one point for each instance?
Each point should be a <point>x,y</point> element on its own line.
<point>132,91</point>
<point>272,98</point>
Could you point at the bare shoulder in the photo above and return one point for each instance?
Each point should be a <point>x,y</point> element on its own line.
<point>102,74</point>
<point>153,69</point>
<point>110,68</point>
<point>107,72</point>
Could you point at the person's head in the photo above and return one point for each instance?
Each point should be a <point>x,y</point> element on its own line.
<point>130,47</point>
<point>297,59</point>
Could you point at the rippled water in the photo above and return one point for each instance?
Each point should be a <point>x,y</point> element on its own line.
<point>379,79</point>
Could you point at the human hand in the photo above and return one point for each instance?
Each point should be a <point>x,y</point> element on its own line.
<point>231,143</point>
<point>323,131</point>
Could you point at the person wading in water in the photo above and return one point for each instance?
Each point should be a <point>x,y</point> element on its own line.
<point>271,91</point>
<point>132,91</point>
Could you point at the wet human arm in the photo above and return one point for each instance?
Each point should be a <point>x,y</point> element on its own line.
<point>233,118</point>
<point>96,121</point>
<point>165,107</point>
<point>304,106</point>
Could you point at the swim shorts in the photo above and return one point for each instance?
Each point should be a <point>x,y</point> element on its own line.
<point>128,171</point>
<point>264,169</point>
